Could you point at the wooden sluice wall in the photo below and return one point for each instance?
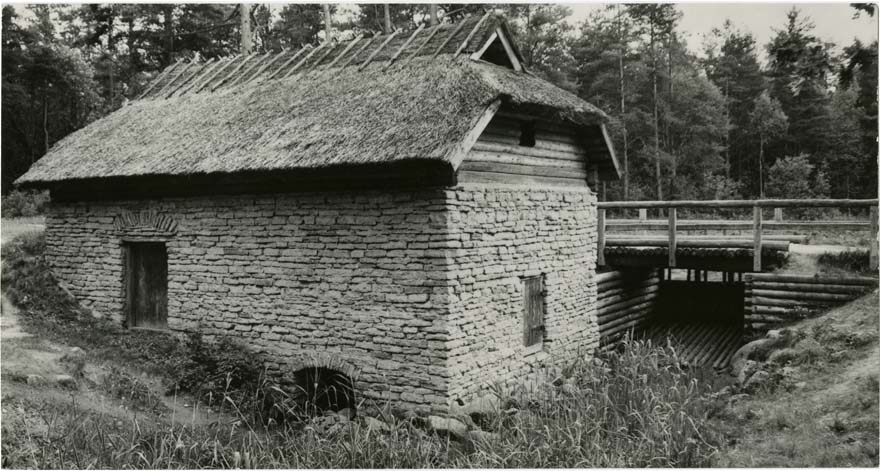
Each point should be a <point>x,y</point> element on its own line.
<point>626,300</point>
<point>772,300</point>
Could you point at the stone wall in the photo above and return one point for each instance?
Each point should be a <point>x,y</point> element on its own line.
<point>416,294</point>
<point>352,279</point>
<point>502,234</point>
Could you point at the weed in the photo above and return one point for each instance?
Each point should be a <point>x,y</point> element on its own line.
<point>853,261</point>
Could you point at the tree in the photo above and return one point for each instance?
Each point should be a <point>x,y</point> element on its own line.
<point>658,22</point>
<point>768,122</point>
<point>731,63</point>
<point>541,32</point>
<point>795,177</point>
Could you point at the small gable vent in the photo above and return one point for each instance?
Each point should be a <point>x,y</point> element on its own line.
<point>498,50</point>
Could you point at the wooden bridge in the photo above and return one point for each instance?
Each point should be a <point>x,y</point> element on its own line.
<point>719,252</point>
<point>708,320</point>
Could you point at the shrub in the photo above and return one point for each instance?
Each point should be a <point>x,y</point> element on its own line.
<point>24,203</point>
<point>853,261</point>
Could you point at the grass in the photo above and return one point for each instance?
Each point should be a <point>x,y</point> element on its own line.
<point>634,408</point>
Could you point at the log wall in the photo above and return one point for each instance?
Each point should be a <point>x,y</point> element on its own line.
<point>625,302</point>
<point>557,158</point>
<point>772,300</point>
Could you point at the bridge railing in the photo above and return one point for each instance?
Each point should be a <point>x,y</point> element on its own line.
<point>757,225</point>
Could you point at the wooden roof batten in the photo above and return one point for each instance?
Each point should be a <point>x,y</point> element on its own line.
<point>227,72</point>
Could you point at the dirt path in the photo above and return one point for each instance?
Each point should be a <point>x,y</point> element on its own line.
<point>36,371</point>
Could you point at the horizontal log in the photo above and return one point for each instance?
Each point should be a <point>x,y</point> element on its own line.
<point>811,287</point>
<point>508,179</point>
<point>626,280</point>
<point>524,169</point>
<point>609,310</point>
<point>620,299</point>
<point>608,276</point>
<point>786,311</point>
<point>625,225</point>
<point>776,278</point>
<point>478,155</point>
<point>613,318</point>
<point>777,302</point>
<point>614,290</point>
<point>766,317</point>
<point>692,243</point>
<point>799,295</point>
<point>511,137</point>
<point>766,203</point>
<point>631,324</point>
<point>527,151</point>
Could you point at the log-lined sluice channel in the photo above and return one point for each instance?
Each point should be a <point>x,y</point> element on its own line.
<point>702,319</point>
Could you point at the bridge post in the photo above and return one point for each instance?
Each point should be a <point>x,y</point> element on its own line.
<point>777,214</point>
<point>757,225</point>
<point>643,214</point>
<point>874,261</point>
<point>600,255</point>
<point>673,244</point>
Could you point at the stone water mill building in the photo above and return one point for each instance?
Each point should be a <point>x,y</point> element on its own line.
<point>413,210</point>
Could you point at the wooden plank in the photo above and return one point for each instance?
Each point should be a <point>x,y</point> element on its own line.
<point>767,203</point>
<point>259,72</point>
<point>344,51</point>
<point>359,51</point>
<point>207,75</point>
<point>304,60</point>
<point>528,151</point>
<point>813,288</point>
<point>799,295</point>
<point>517,169</point>
<point>458,153</point>
<point>230,74</point>
<point>376,52</point>
<point>479,52</point>
<point>405,45</point>
<point>431,35</point>
<point>673,243</point>
<point>158,79</point>
<point>618,241</point>
<point>191,79</point>
<point>757,230</point>
<point>449,38</point>
<point>214,75</point>
<point>507,179</point>
<point>508,48</point>
<point>504,158</point>
<point>777,278</point>
<point>874,261</point>
<point>329,51</point>
<point>643,214</point>
<point>470,35</point>
<point>657,225</point>
<point>289,61</point>
<point>600,254</point>
<point>777,214</point>
<point>171,82</point>
<point>246,71</point>
<point>511,138</point>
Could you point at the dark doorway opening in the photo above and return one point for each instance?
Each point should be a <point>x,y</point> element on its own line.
<point>146,281</point>
<point>325,389</point>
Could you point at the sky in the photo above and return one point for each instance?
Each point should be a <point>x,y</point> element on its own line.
<point>834,21</point>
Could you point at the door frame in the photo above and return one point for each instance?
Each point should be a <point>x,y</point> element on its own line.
<point>126,244</point>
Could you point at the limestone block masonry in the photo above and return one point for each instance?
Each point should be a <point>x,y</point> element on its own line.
<point>417,294</point>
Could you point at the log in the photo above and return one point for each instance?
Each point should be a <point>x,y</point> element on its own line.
<point>613,300</point>
<point>610,310</point>
<point>673,243</point>
<point>608,276</point>
<point>615,318</point>
<point>626,282</point>
<point>759,301</point>
<point>601,239</point>
<point>772,277</point>
<point>622,288</point>
<point>811,288</point>
<point>758,243</point>
<point>631,324</point>
<point>784,311</point>
<point>766,203</point>
<point>691,225</point>
<point>874,258</point>
<point>617,241</point>
<point>799,295</point>
<point>767,317</point>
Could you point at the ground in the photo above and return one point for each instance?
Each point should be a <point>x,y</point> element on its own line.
<point>818,412</point>
<point>40,376</point>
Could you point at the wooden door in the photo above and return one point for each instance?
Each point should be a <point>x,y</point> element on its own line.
<point>147,274</point>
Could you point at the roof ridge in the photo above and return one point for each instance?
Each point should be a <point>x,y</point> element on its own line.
<point>227,72</point>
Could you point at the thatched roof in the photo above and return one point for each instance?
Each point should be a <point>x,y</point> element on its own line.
<point>395,98</point>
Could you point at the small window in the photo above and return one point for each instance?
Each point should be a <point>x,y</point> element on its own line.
<point>533,314</point>
<point>527,133</point>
